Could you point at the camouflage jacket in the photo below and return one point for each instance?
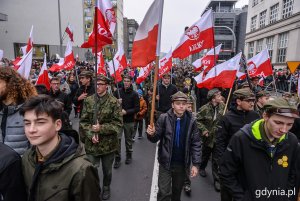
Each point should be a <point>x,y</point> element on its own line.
<point>206,122</point>
<point>110,120</point>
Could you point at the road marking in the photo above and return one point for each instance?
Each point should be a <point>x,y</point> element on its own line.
<point>154,186</point>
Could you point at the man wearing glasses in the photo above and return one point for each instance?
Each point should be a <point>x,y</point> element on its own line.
<point>240,113</point>
<point>101,138</point>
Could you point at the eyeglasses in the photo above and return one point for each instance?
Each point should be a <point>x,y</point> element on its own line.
<point>100,84</point>
<point>54,83</point>
<point>249,100</point>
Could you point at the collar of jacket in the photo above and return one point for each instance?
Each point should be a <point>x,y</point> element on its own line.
<point>130,89</point>
<point>11,109</point>
<point>257,133</point>
<point>102,99</point>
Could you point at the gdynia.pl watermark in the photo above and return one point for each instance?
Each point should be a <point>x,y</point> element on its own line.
<point>274,192</point>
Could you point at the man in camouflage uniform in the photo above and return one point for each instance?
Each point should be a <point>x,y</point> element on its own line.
<point>207,119</point>
<point>262,98</point>
<point>101,138</point>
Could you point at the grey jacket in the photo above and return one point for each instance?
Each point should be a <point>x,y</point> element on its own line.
<point>12,129</point>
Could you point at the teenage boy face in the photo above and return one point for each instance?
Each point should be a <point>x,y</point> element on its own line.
<point>278,125</point>
<point>40,130</point>
<point>101,87</point>
<point>127,83</point>
<point>189,107</point>
<point>179,107</point>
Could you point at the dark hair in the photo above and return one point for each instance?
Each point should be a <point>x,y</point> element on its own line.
<point>54,79</point>
<point>43,104</point>
<point>41,89</point>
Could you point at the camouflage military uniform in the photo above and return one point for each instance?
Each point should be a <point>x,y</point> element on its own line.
<point>111,122</point>
<point>207,121</point>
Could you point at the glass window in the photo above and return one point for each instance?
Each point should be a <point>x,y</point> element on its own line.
<point>223,22</point>
<point>253,23</point>
<point>259,46</point>
<point>255,2</point>
<point>287,10</point>
<point>250,49</point>
<point>274,13</point>
<point>262,18</point>
<point>131,29</point>
<point>270,44</point>
<point>282,47</point>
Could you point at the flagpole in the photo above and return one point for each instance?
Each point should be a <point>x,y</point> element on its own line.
<point>95,29</point>
<point>227,102</point>
<point>156,65</point>
<point>59,24</point>
<point>113,62</point>
<point>214,46</point>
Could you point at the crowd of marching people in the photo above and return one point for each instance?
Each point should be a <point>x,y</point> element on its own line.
<point>252,139</point>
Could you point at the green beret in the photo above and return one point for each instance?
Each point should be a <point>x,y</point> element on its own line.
<point>103,78</point>
<point>211,93</point>
<point>179,96</point>
<point>86,74</point>
<point>190,99</point>
<point>281,107</point>
<point>262,94</point>
<point>243,93</point>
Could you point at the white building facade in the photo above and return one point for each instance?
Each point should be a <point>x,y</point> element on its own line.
<point>274,24</point>
<point>44,17</point>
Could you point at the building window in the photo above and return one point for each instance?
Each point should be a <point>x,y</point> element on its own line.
<point>259,46</point>
<point>250,50</point>
<point>274,13</point>
<point>287,10</point>
<point>88,18</point>
<point>226,44</point>
<point>270,43</point>
<point>282,47</point>
<point>262,19</point>
<point>224,22</point>
<point>130,37</point>
<point>253,23</point>
<point>255,2</point>
<point>131,29</point>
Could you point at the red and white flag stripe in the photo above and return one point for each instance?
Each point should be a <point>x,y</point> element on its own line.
<point>69,31</point>
<point>208,60</point>
<point>260,65</point>
<point>196,38</point>
<point>144,73</point>
<point>146,45</point>
<point>165,64</point>
<point>43,76</point>
<point>223,75</point>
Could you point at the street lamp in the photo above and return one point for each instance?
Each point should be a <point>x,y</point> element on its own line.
<point>234,37</point>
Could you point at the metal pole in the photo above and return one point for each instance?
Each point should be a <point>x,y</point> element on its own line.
<point>59,24</point>
<point>96,49</point>
<point>234,37</point>
<point>113,62</point>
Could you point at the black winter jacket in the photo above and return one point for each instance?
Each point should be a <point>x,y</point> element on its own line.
<point>90,90</point>
<point>228,125</point>
<point>12,185</point>
<point>247,168</point>
<point>130,103</point>
<point>64,98</point>
<point>165,131</point>
<point>165,94</point>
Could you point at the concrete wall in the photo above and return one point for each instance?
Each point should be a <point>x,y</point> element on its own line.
<point>43,15</point>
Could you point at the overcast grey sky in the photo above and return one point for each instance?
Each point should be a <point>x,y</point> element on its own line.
<point>177,15</point>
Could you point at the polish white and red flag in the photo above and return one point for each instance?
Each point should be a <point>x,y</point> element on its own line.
<point>100,64</point>
<point>198,37</point>
<point>114,71</point>
<point>260,65</point>
<point>69,31</point>
<point>144,73</point>
<point>43,76</point>
<point>120,59</point>
<point>68,62</point>
<point>104,25</point>
<point>165,64</point>
<point>222,75</point>
<point>146,45</point>
<point>208,60</point>
<point>23,66</point>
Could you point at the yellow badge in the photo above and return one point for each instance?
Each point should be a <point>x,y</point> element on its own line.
<point>283,161</point>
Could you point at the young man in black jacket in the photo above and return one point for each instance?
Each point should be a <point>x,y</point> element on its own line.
<point>179,146</point>
<point>12,185</point>
<point>260,160</point>
<point>240,113</point>
<point>130,101</point>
